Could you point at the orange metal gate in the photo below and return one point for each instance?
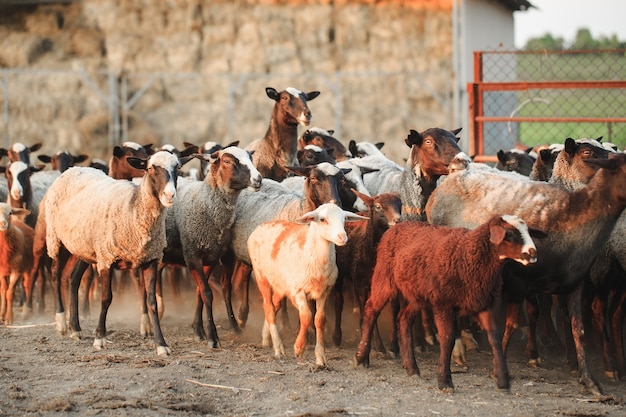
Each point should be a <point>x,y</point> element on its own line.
<point>531,98</point>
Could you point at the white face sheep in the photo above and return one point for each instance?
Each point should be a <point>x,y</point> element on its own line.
<point>123,227</point>
<point>310,239</point>
<point>16,256</point>
<point>578,224</point>
<point>450,270</point>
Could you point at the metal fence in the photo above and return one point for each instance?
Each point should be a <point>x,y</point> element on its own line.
<point>92,111</point>
<point>531,98</point>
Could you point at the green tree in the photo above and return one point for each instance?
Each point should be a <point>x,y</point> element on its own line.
<point>584,40</point>
<point>547,42</point>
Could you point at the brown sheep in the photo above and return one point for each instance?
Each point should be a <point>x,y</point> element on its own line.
<point>451,270</point>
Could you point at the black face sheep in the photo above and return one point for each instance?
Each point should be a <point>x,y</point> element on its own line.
<point>325,140</point>
<point>16,255</point>
<point>208,148</point>
<point>516,160</point>
<point>124,227</point>
<point>313,155</point>
<point>62,160</point>
<point>198,225</point>
<point>119,168</point>
<point>310,239</point>
<point>578,224</point>
<point>451,270</point>
<point>363,149</point>
<point>278,148</point>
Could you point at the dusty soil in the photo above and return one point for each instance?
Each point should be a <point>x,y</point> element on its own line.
<point>43,374</point>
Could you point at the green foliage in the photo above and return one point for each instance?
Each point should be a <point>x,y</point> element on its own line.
<point>583,41</point>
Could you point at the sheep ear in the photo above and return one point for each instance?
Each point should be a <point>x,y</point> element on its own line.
<point>366,199</point>
<point>137,163</point>
<point>414,138</point>
<point>44,158</point>
<point>80,158</point>
<point>353,217</point>
<point>496,234</point>
<point>20,213</point>
<point>184,159</point>
<point>307,218</point>
<point>457,131</point>
<point>367,170</point>
<point>234,143</point>
<point>330,132</point>
<point>570,146</point>
<point>352,147</point>
<point>35,147</point>
<point>379,145</point>
<point>272,93</point>
<point>118,151</point>
<point>302,171</point>
<point>311,95</point>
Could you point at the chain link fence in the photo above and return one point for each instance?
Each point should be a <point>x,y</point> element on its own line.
<point>532,98</point>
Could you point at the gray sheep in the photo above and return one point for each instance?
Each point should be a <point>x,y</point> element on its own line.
<point>198,225</point>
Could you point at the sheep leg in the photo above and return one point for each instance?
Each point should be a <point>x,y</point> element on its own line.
<point>570,347</point>
<point>106,275</point>
<point>574,301</point>
<point>241,280</point>
<point>444,320</point>
<point>320,320</point>
<point>149,277</point>
<point>77,274</point>
<point>488,323</point>
<point>512,316</point>
<point>227,293</point>
<point>198,323</point>
<point>339,301</point>
<point>10,294</point>
<point>4,285</point>
<point>87,287</point>
<point>138,278</point>
<point>532,311</point>
<point>57,267</point>
<point>394,347</point>
<point>197,272</point>
<point>270,330</point>
<point>406,318</point>
<point>373,307</point>
<point>598,319</point>
<point>617,312</point>
<point>300,301</point>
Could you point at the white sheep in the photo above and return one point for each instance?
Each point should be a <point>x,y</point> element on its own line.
<point>110,223</point>
<point>310,239</point>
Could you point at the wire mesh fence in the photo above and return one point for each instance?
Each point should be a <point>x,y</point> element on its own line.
<point>531,98</point>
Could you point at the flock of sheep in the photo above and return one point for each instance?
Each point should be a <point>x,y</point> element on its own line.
<point>441,238</point>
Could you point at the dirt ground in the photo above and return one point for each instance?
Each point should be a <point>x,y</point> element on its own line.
<point>43,374</point>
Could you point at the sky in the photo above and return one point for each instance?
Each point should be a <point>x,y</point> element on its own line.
<point>563,18</point>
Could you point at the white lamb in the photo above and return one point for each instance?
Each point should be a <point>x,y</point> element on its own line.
<point>111,223</point>
<point>311,240</point>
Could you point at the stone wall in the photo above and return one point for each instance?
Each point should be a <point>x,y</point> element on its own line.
<point>197,70</point>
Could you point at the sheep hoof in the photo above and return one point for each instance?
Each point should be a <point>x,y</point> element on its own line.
<point>447,390</point>
<point>534,363</point>
<point>612,375</point>
<point>430,340</point>
<point>163,351</point>
<point>61,324</point>
<point>76,335</point>
<point>214,344</point>
<point>100,343</point>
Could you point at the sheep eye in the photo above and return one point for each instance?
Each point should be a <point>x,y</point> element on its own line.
<point>378,207</point>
